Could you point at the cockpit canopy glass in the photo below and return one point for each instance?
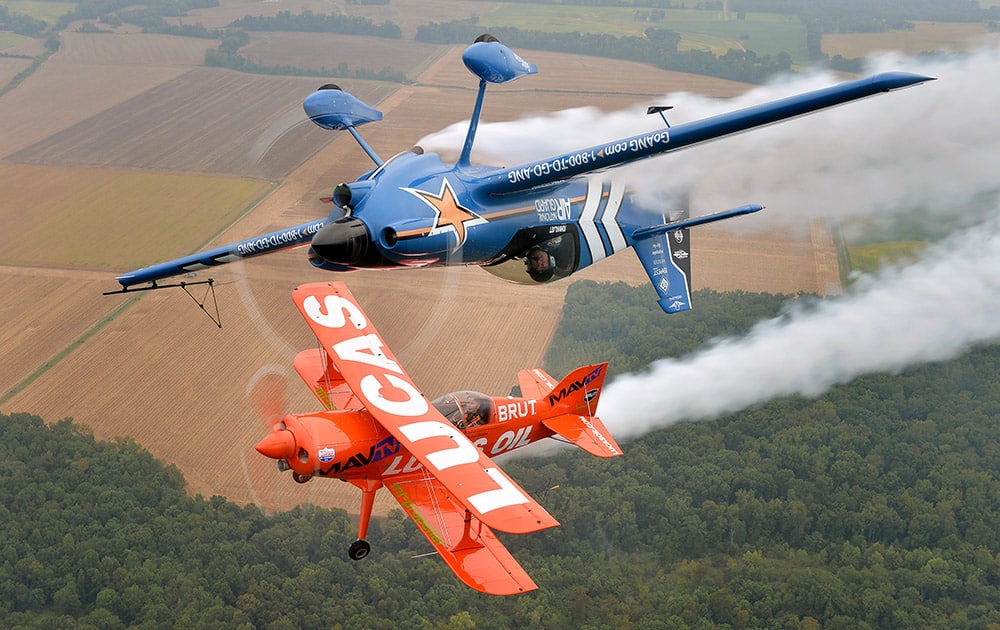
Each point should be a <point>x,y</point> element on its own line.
<point>547,260</point>
<point>464,409</point>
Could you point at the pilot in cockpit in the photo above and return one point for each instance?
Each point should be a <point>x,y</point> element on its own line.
<point>464,409</point>
<point>540,264</point>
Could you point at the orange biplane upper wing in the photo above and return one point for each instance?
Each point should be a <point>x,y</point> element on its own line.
<point>376,378</point>
<point>535,383</point>
<point>468,546</point>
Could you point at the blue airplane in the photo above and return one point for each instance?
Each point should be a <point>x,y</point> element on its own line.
<point>531,223</point>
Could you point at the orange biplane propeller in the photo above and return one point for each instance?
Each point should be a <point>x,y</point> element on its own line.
<point>433,456</point>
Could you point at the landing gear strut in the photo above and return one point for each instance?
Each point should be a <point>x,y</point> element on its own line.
<point>360,547</point>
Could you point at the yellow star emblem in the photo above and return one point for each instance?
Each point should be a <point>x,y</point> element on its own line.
<point>447,210</point>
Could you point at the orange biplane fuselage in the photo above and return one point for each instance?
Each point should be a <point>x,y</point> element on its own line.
<point>356,446</point>
<point>434,456</point>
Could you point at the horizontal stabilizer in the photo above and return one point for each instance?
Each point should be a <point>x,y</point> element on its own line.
<point>590,434</point>
<point>468,546</point>
<point>535,383</point>
<point>692,222</point>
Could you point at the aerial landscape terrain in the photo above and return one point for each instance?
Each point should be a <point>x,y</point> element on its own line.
<point>132,137</point>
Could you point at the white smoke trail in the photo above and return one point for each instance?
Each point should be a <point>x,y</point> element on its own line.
<point>926,156</point>
<point>932,310</point>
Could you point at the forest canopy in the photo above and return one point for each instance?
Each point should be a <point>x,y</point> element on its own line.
<point>876,505</point>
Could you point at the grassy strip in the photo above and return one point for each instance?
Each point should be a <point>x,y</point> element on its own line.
<point>62,354</point>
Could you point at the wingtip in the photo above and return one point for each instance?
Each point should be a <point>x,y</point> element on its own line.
<point>898,80</point>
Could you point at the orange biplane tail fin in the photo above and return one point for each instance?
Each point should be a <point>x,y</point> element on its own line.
<point>574,405</point>
<point>579,391</point>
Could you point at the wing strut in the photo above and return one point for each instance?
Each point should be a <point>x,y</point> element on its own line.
<point>216,318</point>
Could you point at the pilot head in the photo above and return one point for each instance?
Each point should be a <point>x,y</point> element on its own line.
<point>539,264</point>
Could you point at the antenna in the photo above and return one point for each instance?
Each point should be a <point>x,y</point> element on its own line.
<point>659,109</point>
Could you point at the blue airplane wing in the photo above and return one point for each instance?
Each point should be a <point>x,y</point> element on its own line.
<point>263,244</point>
<point>561,167</point>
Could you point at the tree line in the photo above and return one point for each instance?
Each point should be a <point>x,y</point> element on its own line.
<point>657,47</point>
<point>309,22</point>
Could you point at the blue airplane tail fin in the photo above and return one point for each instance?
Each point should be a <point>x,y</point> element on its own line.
<point>667,260</point>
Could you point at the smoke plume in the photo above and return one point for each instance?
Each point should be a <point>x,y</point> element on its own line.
<point>932,310</point>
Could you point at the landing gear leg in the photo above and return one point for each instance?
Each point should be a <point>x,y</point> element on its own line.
<point>360,547</point>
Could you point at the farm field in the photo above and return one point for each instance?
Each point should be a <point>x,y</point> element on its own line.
<point>31,113</point>
<point>113,219</point>
<point>97,72</point>
<point>158,370</point>
<point>52,310</point>
<point>765,33</point>
<point>926,36</point>
<point>604,83</point>
<point>50,12</point>
<point>131,49</point>
<point>209,136</point>
<point>315,51</point>
<point>10,67</point>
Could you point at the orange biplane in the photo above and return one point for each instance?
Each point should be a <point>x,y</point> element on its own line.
<point>433,455</point>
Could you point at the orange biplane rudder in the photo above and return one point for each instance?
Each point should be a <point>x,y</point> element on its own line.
<point>574,404</point>
<point>579,391</point>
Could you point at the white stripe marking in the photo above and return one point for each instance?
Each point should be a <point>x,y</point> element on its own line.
<point>590,206</point>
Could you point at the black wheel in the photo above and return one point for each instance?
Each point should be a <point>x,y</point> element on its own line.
<point>359,549</point>
<point>299,478</point>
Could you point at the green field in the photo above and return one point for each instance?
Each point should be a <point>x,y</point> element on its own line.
<point>50,12</point>
<point>8,39</point>
<point>763,33</point>
<point>114,219</point>
<point>868,258</point>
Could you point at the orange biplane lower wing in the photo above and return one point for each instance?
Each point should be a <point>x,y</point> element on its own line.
<point>468,546</point>
<point>326,383</point>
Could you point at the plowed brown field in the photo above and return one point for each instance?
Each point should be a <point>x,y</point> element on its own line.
<point>206,121</point>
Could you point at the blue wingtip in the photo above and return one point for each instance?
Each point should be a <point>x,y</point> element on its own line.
<point>899,80</point>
